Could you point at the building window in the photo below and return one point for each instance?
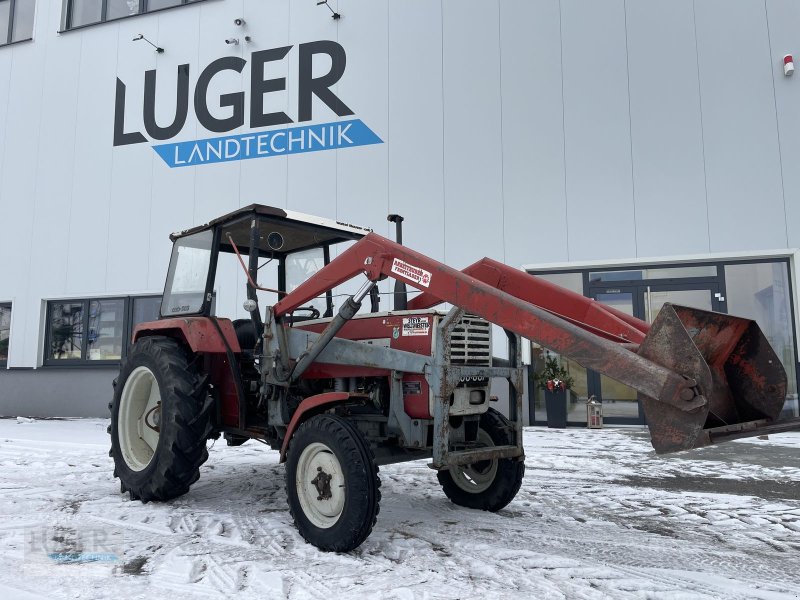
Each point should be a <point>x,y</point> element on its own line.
<point>79,13</point>
<point>761,291</point>
<point>16,20</point>
<point>94,330</point>
<point>5,332</point>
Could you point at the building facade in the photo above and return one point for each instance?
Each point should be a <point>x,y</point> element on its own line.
<point>636,152</point>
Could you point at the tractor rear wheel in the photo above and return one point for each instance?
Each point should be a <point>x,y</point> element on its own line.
<point>332,483</point>
<point>488,484</point>
<point>160,420</point>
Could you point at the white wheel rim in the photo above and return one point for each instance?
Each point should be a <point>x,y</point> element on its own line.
<point>139,411</point>
<point>477,477</point>
<point>315,460</point>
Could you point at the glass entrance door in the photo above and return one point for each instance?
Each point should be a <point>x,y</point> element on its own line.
<point>643,301</point>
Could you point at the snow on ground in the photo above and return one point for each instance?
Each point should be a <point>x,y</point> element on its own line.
<point>599,515</point>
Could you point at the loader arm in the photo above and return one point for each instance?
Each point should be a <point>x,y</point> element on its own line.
<point>584,312</point>
<point>378,257</point>
<point>698,374</point>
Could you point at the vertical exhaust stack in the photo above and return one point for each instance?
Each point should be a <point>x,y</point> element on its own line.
<point>400,293</point>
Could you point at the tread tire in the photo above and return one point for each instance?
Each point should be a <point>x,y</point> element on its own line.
<point>186,421</point>
<point>509,475</point>
<point>362,484</point>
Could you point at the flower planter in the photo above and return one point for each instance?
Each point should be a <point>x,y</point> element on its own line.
<point>556,404</point>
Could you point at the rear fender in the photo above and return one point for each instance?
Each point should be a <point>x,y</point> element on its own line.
<point>313,405</point>
<point>199,333</point>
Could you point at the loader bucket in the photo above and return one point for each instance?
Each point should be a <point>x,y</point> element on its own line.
<point>735,368</point>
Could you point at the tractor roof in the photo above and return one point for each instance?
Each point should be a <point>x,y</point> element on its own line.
<point>299,231</point>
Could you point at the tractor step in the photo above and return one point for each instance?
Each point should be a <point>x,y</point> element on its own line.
<point>466,457</point>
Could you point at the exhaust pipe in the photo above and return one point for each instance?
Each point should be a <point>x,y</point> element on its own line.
<point>400,292</point>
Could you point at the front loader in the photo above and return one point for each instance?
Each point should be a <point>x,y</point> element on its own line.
<point>339,392</point>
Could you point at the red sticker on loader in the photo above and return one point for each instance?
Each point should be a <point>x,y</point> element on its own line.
<point>412,273</point>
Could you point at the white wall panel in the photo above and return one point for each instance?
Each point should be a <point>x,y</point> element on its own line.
<point>23,137</point>
<point>362,173</point>
<point>784,24</point>
<point>600,210</point>
<point>263,180</point>
<point>7,287</point>
<point>666,129</point>
<point>93,162</point>
<point>172,191</point>
<point>52,197</point>
<point>534,211</point>
<point>311,186</point>
<point>739,127</point>
<point>472,131</point>
<point>542,131</point>
<point>362,178</point>
<point>415,127</point>
<point>217,185</point>
<point>129,203</point>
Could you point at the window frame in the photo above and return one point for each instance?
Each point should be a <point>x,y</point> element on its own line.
<point>10,306</point>
<point>720,263</point>
<point>66,20</point>
<point>84,361</point>
<point>9,39</point>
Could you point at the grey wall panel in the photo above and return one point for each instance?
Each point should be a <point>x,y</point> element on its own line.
<point>535,217</point>
<point>784,24</point>
<point>739,126</point>
<point>600,209</point>
<point>415,128</point>
<point>56,392</point>
<point>472,131</point>
<point>666,129</point>
<point>53,183</point>
<point>92,164</point>
<point>172,192</point>
<point>312,176</point>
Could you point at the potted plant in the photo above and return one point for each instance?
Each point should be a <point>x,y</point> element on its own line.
<point>555,381</point>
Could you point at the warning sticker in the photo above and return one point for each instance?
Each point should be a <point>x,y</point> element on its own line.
<point>412,273</point>
<point>412,388</point>
<point>416,326</point>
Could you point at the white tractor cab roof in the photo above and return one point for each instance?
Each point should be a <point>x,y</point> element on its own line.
<point>280,231</point>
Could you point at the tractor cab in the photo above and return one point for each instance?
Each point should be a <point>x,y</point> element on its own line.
<point>254,236</point>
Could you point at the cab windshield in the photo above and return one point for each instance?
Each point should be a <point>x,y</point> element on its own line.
<point>185,290</point>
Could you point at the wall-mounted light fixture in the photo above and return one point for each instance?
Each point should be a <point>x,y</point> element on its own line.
<point>159,49</point>
<point>334,14</point>
<point>788,65</point>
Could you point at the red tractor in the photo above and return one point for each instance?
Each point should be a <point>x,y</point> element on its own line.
<point>339,392</point>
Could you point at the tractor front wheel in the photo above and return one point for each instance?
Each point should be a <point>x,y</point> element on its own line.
<point>332,483</point>
<point>160,420</point>
<point>488,484</point>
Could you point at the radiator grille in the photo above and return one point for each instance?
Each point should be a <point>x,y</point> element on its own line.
<point>471,342</point>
